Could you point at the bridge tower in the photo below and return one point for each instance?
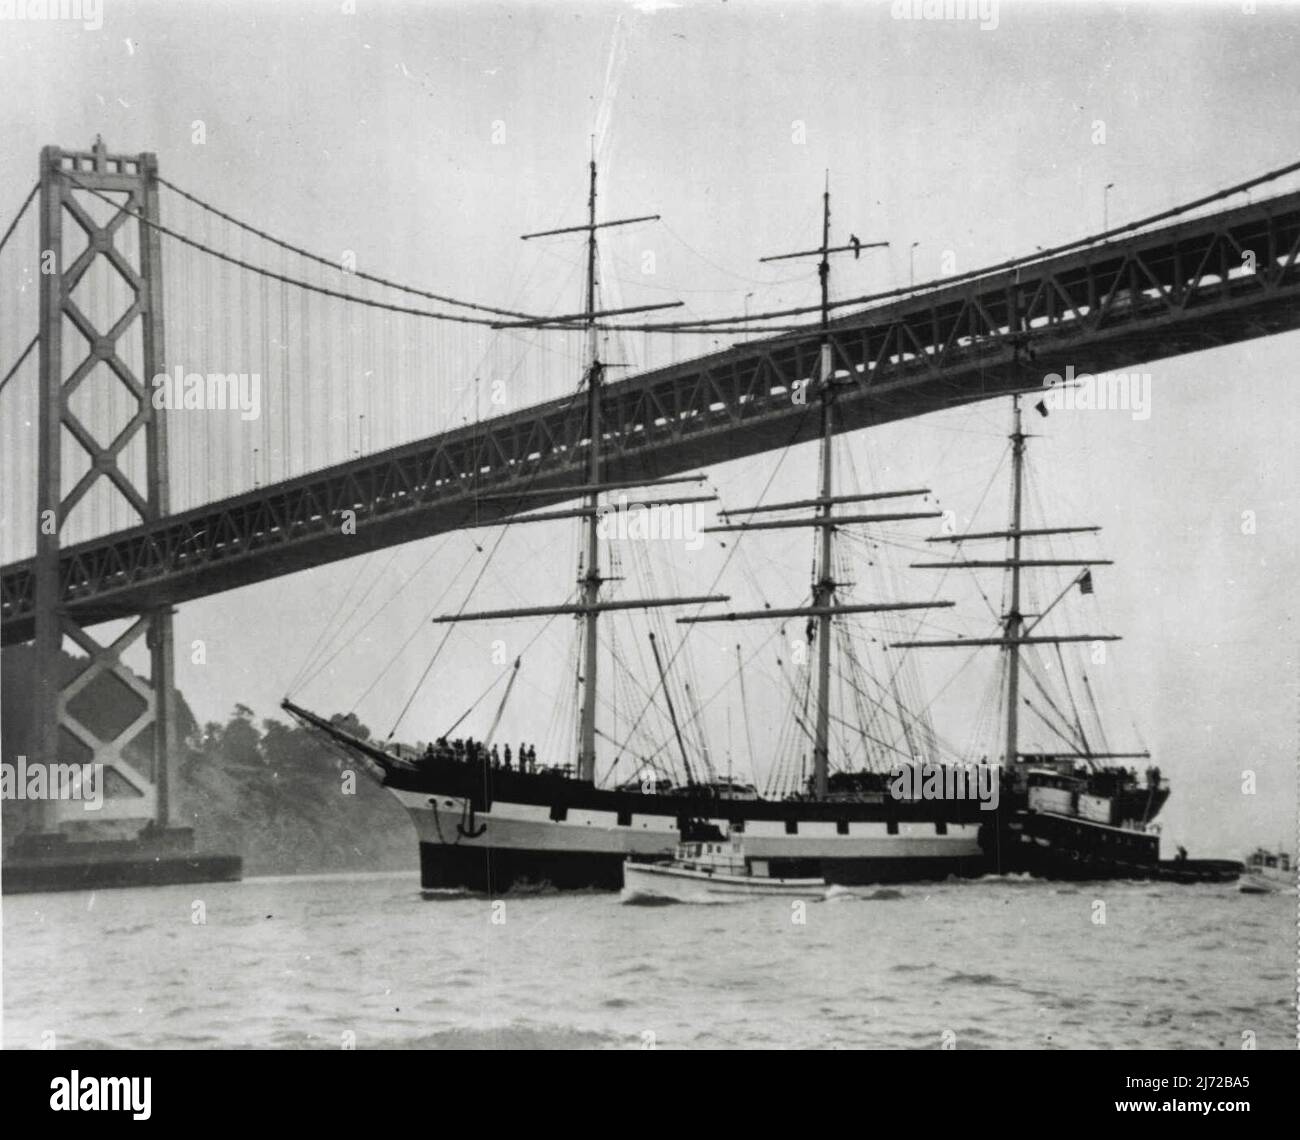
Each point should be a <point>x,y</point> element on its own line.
<point>78,360</point>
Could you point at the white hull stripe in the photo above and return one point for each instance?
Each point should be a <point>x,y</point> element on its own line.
<point>442,819</point>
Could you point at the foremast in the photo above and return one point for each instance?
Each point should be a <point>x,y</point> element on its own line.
<point>590,604</point>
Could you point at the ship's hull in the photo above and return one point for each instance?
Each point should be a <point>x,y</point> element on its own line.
<point>510,845</point>
<point>492,829</point>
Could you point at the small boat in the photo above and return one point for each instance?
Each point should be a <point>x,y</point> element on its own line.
<point>711,871</point>
<point>1268,872</point>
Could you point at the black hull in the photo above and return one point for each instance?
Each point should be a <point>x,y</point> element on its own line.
<point>1056,847</point>
<point>496,871</point>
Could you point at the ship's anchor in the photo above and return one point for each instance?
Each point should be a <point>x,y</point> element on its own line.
<point>465,828</point>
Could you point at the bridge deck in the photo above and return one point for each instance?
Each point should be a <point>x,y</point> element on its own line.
<point>1175,289</point>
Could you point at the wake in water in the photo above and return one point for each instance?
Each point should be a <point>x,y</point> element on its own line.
<point>839,893</point>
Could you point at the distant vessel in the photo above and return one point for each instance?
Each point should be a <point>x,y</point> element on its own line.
<point>711,871</point>
<point>1267,872</point>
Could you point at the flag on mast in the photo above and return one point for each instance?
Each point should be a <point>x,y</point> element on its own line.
<point>1085,582</point>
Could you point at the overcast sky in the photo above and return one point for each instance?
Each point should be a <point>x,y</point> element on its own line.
<point>427,137</point>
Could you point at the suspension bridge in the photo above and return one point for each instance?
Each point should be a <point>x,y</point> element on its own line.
<point>119,506</point>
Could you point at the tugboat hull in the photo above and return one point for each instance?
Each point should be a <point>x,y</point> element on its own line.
<point>667,882</point>
<point>1055,846</point>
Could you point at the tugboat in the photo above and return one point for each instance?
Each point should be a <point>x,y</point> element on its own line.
<point>711,871</point>
<point>1268,872</point>
<point>1077,823</point>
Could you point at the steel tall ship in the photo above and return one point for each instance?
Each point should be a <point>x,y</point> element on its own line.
<point>489,826</point>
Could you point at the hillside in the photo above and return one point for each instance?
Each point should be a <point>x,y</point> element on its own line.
<point>269,792</point>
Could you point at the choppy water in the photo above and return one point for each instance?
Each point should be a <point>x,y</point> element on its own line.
<point>302,962</point>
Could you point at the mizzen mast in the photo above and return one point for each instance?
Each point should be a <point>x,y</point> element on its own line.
<point>1014,631</point>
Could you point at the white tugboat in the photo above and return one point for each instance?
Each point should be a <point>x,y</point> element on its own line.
<point>711,871</point>
<point>1267,872</point>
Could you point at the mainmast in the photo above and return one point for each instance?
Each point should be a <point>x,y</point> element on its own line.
<point>824,602</point>
<point>824,590</point>
<point>1013,618</point>
<point>591,580</point>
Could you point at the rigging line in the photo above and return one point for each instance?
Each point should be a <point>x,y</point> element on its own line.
<point>416,631</point>
<point>1033,676</point>
<point>867,718</point>
<point>1016,262</point>
<point>437,652</point>
<point>629,679</point>
<point>997,617</point>
<point>1065,678</point>
<point>944,688</point>
<point>900,713</point>
<point>667,743</point>
<point>1038,713</point>
<point>988,713</point>
<point>453,318</point>
<point>317,646</point>
<point>1096,714</point>
<point>744,713</point>
<point>469,593</point>
<point>477,701</point>
<point>443,643</point>
<point>859,708</point>
<point>19,362</point>
<point>342,626</point>
<point>803,277</point>
<point>735,546</point>
<point>19,216</point>
<point>885,744</point>
<point>332,264</point>
<point>519,363</point>
<point>629,269</point>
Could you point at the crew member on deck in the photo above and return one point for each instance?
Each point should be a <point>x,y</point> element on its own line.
<point>506,757</point>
